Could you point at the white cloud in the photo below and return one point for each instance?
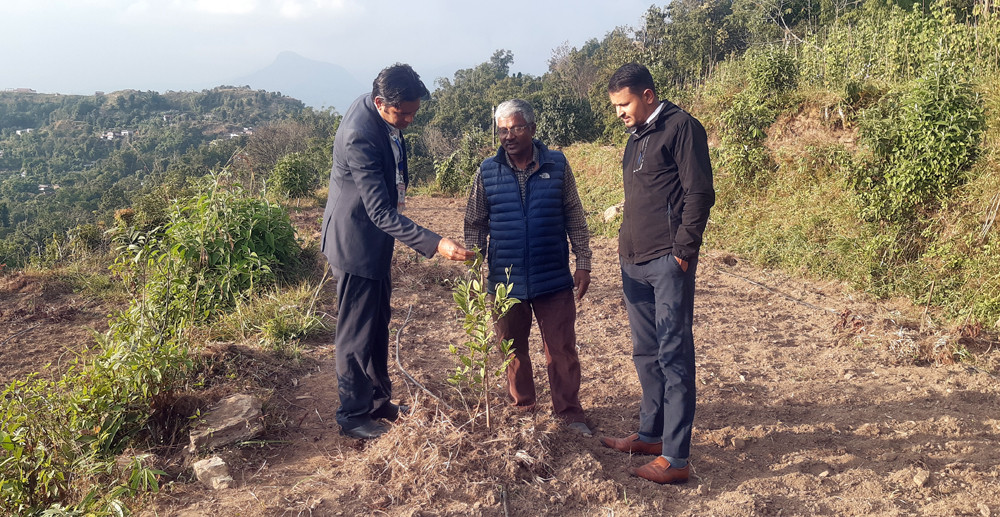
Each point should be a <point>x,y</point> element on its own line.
<point>304,9</point>
<point>293,9</point>
<point>224,7</point>
<point>56,7</point>
<point>290,9</point>
<point>140,8</point>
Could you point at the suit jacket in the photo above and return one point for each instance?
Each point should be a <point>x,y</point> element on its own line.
<point>361,223</point>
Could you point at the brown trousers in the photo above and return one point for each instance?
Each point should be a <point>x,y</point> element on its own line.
<point>556,314</point>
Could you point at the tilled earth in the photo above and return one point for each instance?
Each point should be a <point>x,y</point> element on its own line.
<point>811,401</point>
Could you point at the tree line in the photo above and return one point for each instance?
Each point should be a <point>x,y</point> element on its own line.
<point>86,157</point>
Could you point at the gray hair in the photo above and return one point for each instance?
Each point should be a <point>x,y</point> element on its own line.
<point>508,109</point>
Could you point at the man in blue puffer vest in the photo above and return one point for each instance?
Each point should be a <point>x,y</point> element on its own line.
<point>524,202</point>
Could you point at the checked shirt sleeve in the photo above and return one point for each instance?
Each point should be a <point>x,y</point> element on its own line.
<point>576,222</point>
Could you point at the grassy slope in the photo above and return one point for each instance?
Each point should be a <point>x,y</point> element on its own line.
<point>804,219</point>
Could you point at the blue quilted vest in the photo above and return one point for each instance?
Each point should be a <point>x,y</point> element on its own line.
<point>528,237</point>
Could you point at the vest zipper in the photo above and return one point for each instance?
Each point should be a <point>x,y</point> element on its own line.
<point>527,229</point>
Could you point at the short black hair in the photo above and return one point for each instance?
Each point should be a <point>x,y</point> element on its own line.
<point>633,76</point>
<point>398,84</point>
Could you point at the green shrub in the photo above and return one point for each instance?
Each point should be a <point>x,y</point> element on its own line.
<point>295,175</point>
<point>451,178</point>
<point>768,75</point>
<point>59,440</point>
<point>454,174</point>
<point>563,120</point>
<point>86,238</point>
<point>743,130</point>
<point>770,71</point>
<point>479,311</point>
<point>216,246</point>
<point>879,46</point>
<point>923,140</point>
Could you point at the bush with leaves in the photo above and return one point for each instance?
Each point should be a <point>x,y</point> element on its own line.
<point>878,46</point>
<point>743,129</point>
<point>770,74</point>
<point>771,71</point>
<point>563,120</point>
<point>217,246</point>
<point>60,439</point>
<point>454,174</point>
<point>294,175</point>
<point>923,139</point>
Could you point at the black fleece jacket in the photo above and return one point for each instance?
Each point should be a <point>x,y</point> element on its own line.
<point>668,188</point>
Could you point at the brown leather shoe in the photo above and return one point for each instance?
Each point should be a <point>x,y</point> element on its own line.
<point>632,444</point>
<point>660,471</point>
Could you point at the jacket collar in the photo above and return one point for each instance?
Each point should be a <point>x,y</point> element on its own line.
<point>373,110</point>
<point>666,108</point>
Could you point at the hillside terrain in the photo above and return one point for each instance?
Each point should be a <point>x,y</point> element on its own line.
<point>810,403</point>
<point>847,309</point>
<point>84,157</point>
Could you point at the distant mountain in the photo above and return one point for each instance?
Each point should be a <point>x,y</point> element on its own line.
<point>315,83</point>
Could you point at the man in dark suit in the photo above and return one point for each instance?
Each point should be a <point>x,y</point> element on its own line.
<point>361,224</point>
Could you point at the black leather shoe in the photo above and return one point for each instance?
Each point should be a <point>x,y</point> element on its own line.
<point>390,411</point>
<point>365,431</point>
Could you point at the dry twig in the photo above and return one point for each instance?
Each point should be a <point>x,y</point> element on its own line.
<point>19,333</point>
<point>399,364</point>
<point>775,291</point>
<point>991,216</point>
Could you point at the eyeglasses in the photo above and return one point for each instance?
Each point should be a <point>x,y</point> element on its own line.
<point>517,130</point>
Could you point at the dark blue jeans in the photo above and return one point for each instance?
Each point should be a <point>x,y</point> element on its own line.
<point>659,297</point>
<point>362,347</point>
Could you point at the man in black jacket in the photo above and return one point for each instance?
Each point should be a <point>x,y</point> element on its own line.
<point>668,193</point>
<point>361,224</point>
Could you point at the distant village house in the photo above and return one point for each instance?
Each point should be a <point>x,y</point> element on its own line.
<point>110,135</point>
<point>246,131</point>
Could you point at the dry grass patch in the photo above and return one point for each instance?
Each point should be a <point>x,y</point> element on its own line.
<point>416,464</point>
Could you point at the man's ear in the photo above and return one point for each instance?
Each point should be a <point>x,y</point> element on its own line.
<point>379,103</point>
<point>648,96</point>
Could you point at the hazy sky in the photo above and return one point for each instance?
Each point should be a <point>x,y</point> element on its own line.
<point>80,46</point>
